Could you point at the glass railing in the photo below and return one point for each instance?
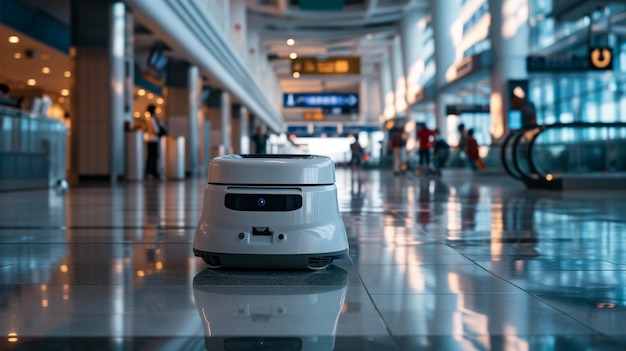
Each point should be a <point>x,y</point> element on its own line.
<point>541,156</point>
<point>32,150</point>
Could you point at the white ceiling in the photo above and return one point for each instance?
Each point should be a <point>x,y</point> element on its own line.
<point>364,28</point>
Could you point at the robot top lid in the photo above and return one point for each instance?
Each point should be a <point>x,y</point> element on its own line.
<point>272,169</point>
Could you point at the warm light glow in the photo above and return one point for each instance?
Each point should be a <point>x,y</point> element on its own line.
<point>159,101</point>
<point>61,99</point>
<point>293,56</point>
<point>64,268</point>
<point>45,70</point>
<point>66,287</point>
<point>14,39</point>
<point>44,287</point>
<point>141,273</point>
<point>67,74</point>
<point>12,337</point>
<point>292,137</point>
<point>150,96</point>
<point>31,82</point>
<point>290,42</point>
<point>137,114</point>
<point>549,177</point>
<point>159,265</point>
<point>158,110</point>
<point>141,92</point>
<point>17,55</point>
<point>519,92</point>
<point>146,114</point>
<point>44,303</point>
<point>65,92</point>
<point>497,119</point>
<point>389,124</point>
<point>296,74</point>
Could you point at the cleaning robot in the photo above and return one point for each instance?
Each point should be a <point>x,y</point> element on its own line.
<point>271,211</point>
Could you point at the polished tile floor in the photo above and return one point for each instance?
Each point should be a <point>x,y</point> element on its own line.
<point>464,262</point>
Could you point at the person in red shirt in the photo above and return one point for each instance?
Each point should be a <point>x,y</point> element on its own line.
<point>471,150</point>
<point>426,140</point>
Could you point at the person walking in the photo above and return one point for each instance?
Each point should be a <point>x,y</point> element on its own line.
<point>472,151</point>
<point>441,152</point>
<point>425,138</point>
<point>260,141</point>
<point>357,151</point>
<point>397,145</point>
<point>152,138</point>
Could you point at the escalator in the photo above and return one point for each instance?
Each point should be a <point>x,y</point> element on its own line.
<point>553,156</point>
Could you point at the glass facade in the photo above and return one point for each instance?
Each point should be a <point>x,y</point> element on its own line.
<point>583,96</point>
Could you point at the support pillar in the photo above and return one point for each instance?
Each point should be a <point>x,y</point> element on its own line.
<point>102,56</point>
<point>225,147</point>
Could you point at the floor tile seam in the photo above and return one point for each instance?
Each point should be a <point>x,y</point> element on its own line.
<point>542,300</point>
<point>378,312</point>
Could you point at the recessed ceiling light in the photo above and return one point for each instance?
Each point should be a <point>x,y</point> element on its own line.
<point>296,74</point>
<point>141,92</point>
<point>160,101</point>
<point>45,70</point>
<point>14,39</point>
<point>137,114</point>
<point>290,42</point>
<point>17,55</point>
<point>293,56</point>
<point>31,82</point>
<point>150,96</point>
<point>65,92</point>
<point>67,74</point>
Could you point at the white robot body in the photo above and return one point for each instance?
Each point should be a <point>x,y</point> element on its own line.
<point>276,211</point>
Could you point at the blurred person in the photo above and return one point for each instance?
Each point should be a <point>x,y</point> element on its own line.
<point>260,141</point>
<point>472,152</point>
<point>5,98</point>
<point>152,138</point>
<point>462,145</point>
<point>425,138</point>
<point>527,110</point>
<point>441,152</point>
<point>397,144</point>
<point>357,154</point>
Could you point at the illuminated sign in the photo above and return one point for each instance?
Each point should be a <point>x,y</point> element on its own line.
<point>323,100</point>
<point>328,66</point>
<point>316,116</point>
<point>601,58</point>
<point>597,59</point>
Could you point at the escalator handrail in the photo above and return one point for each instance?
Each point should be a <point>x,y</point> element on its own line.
<point>525,176</point>
<point>564,125</point>
<point>503,154</point>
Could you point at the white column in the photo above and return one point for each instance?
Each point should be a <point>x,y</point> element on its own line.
<point>387,93</point>
<point>444,14</point>
<point>413,62</point>
<point>238,27</point>
<point>244,130</point>
<point>194,116</point>
<point>225,110</point>
<point>508,34</point>
<point>399,80</point>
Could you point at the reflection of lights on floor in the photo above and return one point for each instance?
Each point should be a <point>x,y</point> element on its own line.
<point>12,337</point>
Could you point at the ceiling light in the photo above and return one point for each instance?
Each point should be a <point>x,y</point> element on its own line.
<point>150,96</point>
<point>14,39</point>
<point>296,74</point>
<point>290,42</point>
<point>293,56</point>
<point>31,82</point>
<point>67,74</point>
<point>137,114</point>
<point>45,70</point>
<point>17,55</point>
<point>159,101</point>
<point>65,92</point>
<point>141,92</point>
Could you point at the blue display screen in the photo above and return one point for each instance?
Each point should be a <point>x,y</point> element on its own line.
<point>320,100</point>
